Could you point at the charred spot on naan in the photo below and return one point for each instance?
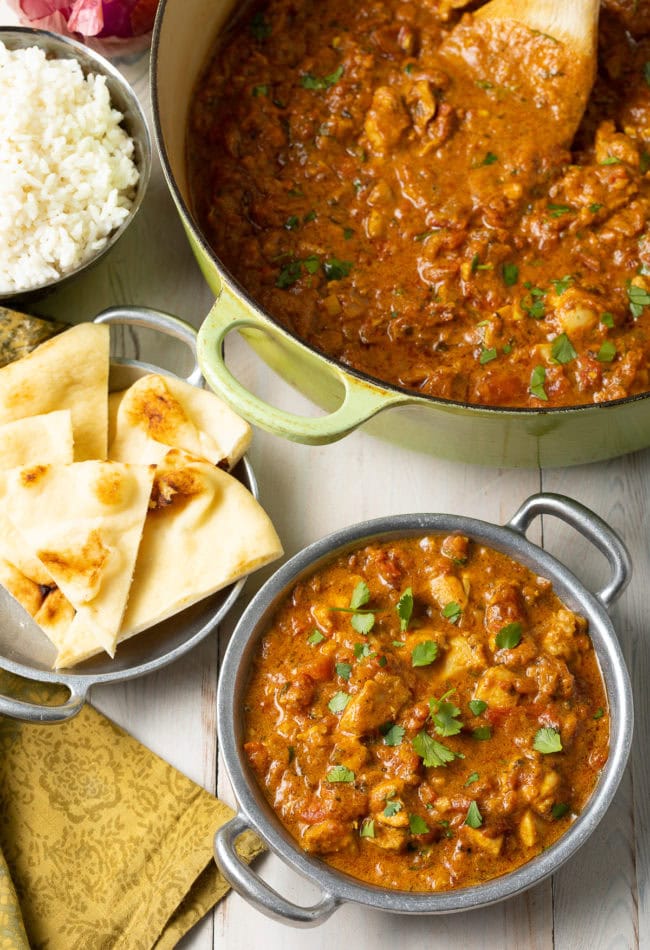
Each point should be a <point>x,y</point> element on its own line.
<point>87,560</point>
<point>157,411</point>
<point>113,486</point>
<point>34,474</point>
<point>175,486</point>
<point>55,610</point>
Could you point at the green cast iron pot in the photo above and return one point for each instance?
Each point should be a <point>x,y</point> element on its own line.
<point>184,34</point>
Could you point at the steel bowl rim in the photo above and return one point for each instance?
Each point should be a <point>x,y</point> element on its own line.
<point>251,626</point>
<point>96,63</point>
<point>240,291</point>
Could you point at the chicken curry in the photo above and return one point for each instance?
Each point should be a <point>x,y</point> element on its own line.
<point>425,714</point>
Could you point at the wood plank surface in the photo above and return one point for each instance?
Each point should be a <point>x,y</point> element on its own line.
<point>600,899</point>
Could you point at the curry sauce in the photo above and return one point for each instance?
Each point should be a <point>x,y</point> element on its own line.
<point>372,179</point>
<point>425,714</point>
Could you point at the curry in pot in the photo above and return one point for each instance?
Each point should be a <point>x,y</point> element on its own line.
<point>425,714</point>
<point>365,173</point>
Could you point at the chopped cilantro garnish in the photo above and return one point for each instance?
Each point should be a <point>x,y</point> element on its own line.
<point>360,595</point>
<point>483,84</point>
<point>363,623</point>
<point>289,274</point>
<point>344,670</point>
<point>261,90</point>
<point>405,609</point>
<point>423,654</point>
<point>292,223</point>
<point>558,210</point>
<point>639,299</point>
<point>312,263</point>
<point>487,355</point>
<point>417,825</point>
<point>547,740</point>
<point>474,818</point>
<point>595,207</point>
<point>398,644</point>
<point>315,637</point>
<point>452,611</point>
<point>490,159</point>
<point>291,753</point>
<point>340,773</point>
<point>607,352</point>
<point>611,160</point>
<point>310,216</point>
<point>367,829</point>
<point>481,733</point>
<point>336,269</point>
<point>348,233</point>
<point>559,810</point>
<point>537,380</point>
<point>433,753</point>
<point>510,274</point>
<point>473,777</point>
<point>509,636</point>
<point>444,716</point>
<point>309,81</point>
<point>394,735</point>
<point>477,706</point>
<point>607,319</point>
<point>362,651</point>
<point>392,808</point>
<point>338,702</point>
<point>599,713</point>
<point>562,284</point>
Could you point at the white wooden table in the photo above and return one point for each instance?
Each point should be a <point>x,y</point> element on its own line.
<point>601,899</point>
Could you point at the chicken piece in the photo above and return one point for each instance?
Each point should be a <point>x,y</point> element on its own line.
<point>528,830</point>
<point>378,701</point>
<point>446,589</point>
<point>462,655</point>
<point>553,678</point>
<point>386,797</point>
<point>298,693</point>
<point>328,837</point>
<point>504,605</point>
<point>390,839</point>
<point>497,688</point>
<point>561,638</point>
<point>456,546</point>
<point>349,750</point>
<point>422,105</point>
<point>480,840</point>
<point>386,120</point>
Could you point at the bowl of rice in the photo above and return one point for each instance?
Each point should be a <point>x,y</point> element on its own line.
<point>75,159</point>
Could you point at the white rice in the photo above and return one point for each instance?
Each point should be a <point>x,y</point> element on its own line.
<point>67,174</point>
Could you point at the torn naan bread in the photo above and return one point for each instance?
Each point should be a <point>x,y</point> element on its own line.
<point>45,438</point>
<point>83,522</point>
<point>160,412</point>
<point>70,371</point>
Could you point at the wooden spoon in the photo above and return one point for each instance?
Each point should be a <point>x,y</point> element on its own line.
<point>544,50</point>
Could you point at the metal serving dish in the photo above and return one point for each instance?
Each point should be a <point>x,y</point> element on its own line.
<point>256,813</point>
<point>24,649</point>
<point>184,34</point>
<point>122,97</point>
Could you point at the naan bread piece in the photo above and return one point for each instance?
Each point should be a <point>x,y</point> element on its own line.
<point>70,371</point>
<point>84,523</point>
<point>44,438</point>
<point>45,603</point>
<point>158,412</point>
<point>205,532</point>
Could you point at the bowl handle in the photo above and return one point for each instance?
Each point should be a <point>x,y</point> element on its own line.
<point>156,320</point>
<point>46,715</point>
<point>591,526</point>
<point>361,400</point>
<point>253,889</point>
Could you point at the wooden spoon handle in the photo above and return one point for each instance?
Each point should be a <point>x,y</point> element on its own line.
<point>574,22</point>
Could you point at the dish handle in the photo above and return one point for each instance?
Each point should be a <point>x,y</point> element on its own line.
<point>253,889</point>
<point>361,400</point>
<point>588,524</point>
<point>36,713</point>
<point>165,323</point>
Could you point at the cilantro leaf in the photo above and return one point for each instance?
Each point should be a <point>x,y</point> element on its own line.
<point>405,609</point>
<point>559,810</point>
<point>309,81</point>
<point>611,160</point>
<point>477,706</point>
<point>607,319</point>
<point>340,773</point>
<point>360,595</point>
<point>336,269</point>
<point>474,818</point>
<point>562,349</point>
<point>510,274</point>
<point>338,702</point>
<point>473,777</point>
<point>315,637</point>
<point>444,716</point>
<point>558,210</point>
<point>509,636</point>
<point>537,380</point>
<point>424,653</point>
<point>362,623</point>
<point>344,670</point>
<point>367,829</point>
<point>607,352</point>
<point>289,274</point>
<point>362,651</point>
<point>452,611</point>
<point>417,825</point>
<point>392,808</point>
<point>639,299</point>
<point>547,740</point>
<point>432,753</point>
<point>394,735</point>
<point>487,355</point>
<point>482,733</point>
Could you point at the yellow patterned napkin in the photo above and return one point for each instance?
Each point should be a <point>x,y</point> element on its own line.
<point>106,845</point>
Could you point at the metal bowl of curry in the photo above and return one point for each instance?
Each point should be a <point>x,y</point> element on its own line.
<point>424,713</point>
<point>382,224</point>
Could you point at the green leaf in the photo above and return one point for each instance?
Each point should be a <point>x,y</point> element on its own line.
<point>432,753</point>
<point>363,651</point>
<point>340,773</point>
<point>367,829</point>
<point>309,81</point>
<point>338,702</point>
<point>607,319</point>
<point>291,753</point>
<point>559,810</point>
<point>547,740</point>
<point>261,90</point>
<point>510,274</point>
<point>487,356</point>
<point>405,609</point>
<point>477,706</point>
<point>558,210</point>
<point>481,733</point>
<point>424,653</point>
<point>595,208</point>
<point>289,274</point>
<point>611,160</point>
<point>639,299</point>
<point>509,636</point>
<point>315,637</point>
<point>490,159</point>
<point>473,777</point>
<point>344,670</point>
<point>362,623</point>
<point>444,716</point>
<point>417,825</point>
<point>563,284</point>
<point>394,735</point>
<point>474,818</point>
<point>360,595</point>
<point>398,644</point>
<point>312,263</point>
<point>452,611</point>
<point>336,269</point>
<point>310,216</point>
<point>607,352</point>
<point>292,223</point>
<point>392,808</point>
<point>599,714</point>
<point>348,233</point>
<point>537,380</point>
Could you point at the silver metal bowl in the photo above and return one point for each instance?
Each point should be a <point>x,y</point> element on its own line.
<point>256,813</point>
<point>24,649</point>
<point>123,98</point>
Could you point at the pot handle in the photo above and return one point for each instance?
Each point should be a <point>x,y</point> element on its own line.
<point>156,320</point>
<point>253,889</point>
<point>44,715</point>
<point>361,400</point>
<point>591,526</point>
